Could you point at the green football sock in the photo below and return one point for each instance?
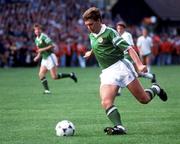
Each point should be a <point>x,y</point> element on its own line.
<point>63,75</point>
<point>113,114</point>
<point>45,83</point>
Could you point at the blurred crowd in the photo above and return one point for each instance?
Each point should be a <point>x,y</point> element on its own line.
<point>62,21</point>
<point>165,47</point>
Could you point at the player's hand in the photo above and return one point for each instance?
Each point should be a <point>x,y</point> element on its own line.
<point>142,68</point>
<point>36,59</point>
<point>39,50</point>
<point>87,54</point>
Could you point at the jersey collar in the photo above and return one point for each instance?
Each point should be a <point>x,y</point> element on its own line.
<point>103,28</point>
<point>38,38</point>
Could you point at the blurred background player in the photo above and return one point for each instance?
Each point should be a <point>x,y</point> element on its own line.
<point>49,61</point>
<point>121,28</point>
<point>108,48</point>
<point>144,44</point>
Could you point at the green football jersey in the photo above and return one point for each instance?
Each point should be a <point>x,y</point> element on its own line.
<point>43,41</point>
<point>108,47</point>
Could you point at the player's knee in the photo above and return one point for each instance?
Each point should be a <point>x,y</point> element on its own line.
<point>54,77</point>
<point>106,103</point>
<point>41,75</point>
<point>144,100</point>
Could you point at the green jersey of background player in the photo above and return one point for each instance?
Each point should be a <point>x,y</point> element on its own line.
<point>44,41</point>
<point>108,48</point>
<point>49,60</point>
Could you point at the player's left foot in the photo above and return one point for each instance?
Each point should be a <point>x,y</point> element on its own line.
<point>154,79</point>
<point>73,76</point>
<point>116,130</point>
<point>162,94</point>
<point>47,92</point>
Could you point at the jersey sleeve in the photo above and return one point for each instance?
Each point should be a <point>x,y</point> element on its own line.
<point>118,41</point>
<point>130,39</point>
<point>151,42</point>
<point>139,42</point>
<point>47,39</point>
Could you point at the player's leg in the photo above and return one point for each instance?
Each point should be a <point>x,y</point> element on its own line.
<point>42,72</point>
<point>108,94</point>
<point>52,66</point>
<point>147,61</point>
<point>71,75</point>
<point>148,75</point>
<point>132,83</point>
<point>145,96</point>
<point>56,76</point>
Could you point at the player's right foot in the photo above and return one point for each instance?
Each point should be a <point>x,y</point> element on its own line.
<point>116,130</point>
<point>73,76</point>
<point>47,92</point>
<point>154,79</point>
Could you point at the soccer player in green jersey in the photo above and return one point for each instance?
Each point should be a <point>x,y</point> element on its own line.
<point>49,59</point>
<point>117,72</point>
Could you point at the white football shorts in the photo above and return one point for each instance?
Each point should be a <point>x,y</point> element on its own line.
<point>120,73</point>
<point>50,62</point>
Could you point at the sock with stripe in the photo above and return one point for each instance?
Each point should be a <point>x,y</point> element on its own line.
<point>113,114</point>
<point>64,75</point>
<point>45,83</point>
<point>155,89</point>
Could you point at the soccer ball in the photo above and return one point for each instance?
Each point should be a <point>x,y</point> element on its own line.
<point>65,128</point>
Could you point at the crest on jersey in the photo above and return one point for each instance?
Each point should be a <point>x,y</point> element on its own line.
<point>100,39</point>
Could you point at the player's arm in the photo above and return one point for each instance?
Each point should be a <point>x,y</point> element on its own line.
<point>125,47</point>
<point>45,48</point>
<point>137,61</point>
<point>88,54</point>
<point>37,57</point>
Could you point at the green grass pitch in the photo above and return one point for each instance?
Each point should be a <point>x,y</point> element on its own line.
<point>29,117</point>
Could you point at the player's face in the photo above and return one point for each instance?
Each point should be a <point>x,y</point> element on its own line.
<point>145,32</point>
<point>93,26</point>
<point>37,31</point>
<point>120,29</point>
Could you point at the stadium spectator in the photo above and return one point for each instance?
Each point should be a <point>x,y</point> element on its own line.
<point>61,20</point>
<point>176,50</point>
<point>3,54</point>
<point>165,51</point>
<point>81,50</point>
<point>144,44</point>
<point>155,49</point>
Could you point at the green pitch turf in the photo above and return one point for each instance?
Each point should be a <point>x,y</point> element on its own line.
<point>29,117</point>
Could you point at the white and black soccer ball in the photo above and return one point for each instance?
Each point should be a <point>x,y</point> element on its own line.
<point>65,128</point>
